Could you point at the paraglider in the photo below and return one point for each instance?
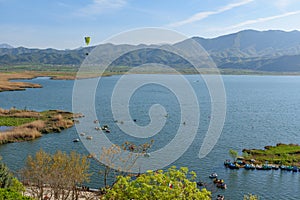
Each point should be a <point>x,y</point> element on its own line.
<point>87,42</point>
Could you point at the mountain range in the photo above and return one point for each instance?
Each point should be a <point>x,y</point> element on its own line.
<point>273,51</point>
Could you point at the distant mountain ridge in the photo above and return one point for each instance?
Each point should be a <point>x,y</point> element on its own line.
<point>273,50</point>
<point>7,46</point>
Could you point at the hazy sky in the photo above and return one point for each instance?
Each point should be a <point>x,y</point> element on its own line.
<point>62,24</point>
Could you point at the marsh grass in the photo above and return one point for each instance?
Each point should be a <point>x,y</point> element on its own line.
<point>13,121</point>
<point>29,125</point>
<point>287,154</point>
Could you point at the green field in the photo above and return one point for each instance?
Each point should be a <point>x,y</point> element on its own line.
<point>14,121</point>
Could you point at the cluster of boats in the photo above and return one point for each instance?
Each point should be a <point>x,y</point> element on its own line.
<point>251,166</point>
<point>104,128</point>
<point>219,182</point>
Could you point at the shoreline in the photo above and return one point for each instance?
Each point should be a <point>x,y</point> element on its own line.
<point>281,156</point>
<point>6,78</point>
<point>28,125</point>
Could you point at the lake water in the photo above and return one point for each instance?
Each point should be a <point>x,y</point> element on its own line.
<point>261,110</point>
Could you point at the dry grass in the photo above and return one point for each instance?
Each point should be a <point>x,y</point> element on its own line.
<point>7,85</point>
<point>31,124</point>
<point>19,134</point>
<point>19,113</point>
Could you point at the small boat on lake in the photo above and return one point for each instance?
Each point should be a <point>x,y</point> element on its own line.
<point>91,155</point>
<point>295,169</point>
<point>82,134</point>
<point>76,140</point>
<point>249,166</point>
<point>200,183</point>
<point>233,166</point>
<point>218,181</point>
<point>258,167</point>
<point>147,155</point>
<point>227,162</point>
<point>266,167</point>
<point>275,167</point>
<point>289,168</point>
<point>89,137</point>
<point>221,185</point>
<point>213,175</point>
<point>104,127</point>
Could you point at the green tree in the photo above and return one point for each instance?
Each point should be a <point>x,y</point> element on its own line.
<point>11,188</point>
<point>6,177</point>
<point>10,194</point>
<point>171,184</point>
<point>233,154</point>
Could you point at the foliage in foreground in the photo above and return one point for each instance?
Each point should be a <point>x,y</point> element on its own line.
<point>55,175</point>
<point>10,187</point>
<point>10,194</point>
<point>171,184</point>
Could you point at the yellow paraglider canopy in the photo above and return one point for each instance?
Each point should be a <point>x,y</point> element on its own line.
<point>87,40</point>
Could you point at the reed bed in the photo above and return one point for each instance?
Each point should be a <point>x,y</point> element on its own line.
<point>29,125</point>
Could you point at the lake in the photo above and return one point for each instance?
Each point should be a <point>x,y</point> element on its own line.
<point>261,110</point>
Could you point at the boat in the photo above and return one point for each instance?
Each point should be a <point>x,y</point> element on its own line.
<point>220,197</point>
<point>213,175</point>
<point>258,167</point>
<point>289,168</point>
<point>104,127</point>
<point>226,163</point>
<point>91,155</point>
<point>275,167</point>
<point>147,155</point>
<point>283,167</point>
<point>249,166</point>
<point>76,140</point>
<point>89,137</point>
<point>222,185</point>
<point>295,169</point>
<point>107,131</point>
<point>82,134</point>
<point>201,183</point>
<point>266,167</point>
<point>233,166</point>
<point>216,181</point>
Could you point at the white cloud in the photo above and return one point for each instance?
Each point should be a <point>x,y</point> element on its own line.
<point>101,6</point>
<point>202,15</point>
<point>264,19</point>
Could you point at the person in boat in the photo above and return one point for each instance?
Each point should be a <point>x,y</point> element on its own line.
<point>213,175</point>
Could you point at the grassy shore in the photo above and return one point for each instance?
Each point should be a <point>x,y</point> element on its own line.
<point>28,125</point>
<point>286,154</point>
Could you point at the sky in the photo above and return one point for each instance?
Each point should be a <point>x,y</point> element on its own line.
<point>62,24</point>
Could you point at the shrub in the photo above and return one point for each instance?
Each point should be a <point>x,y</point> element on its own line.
<point>172,184</point>
<point>9,194</point>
